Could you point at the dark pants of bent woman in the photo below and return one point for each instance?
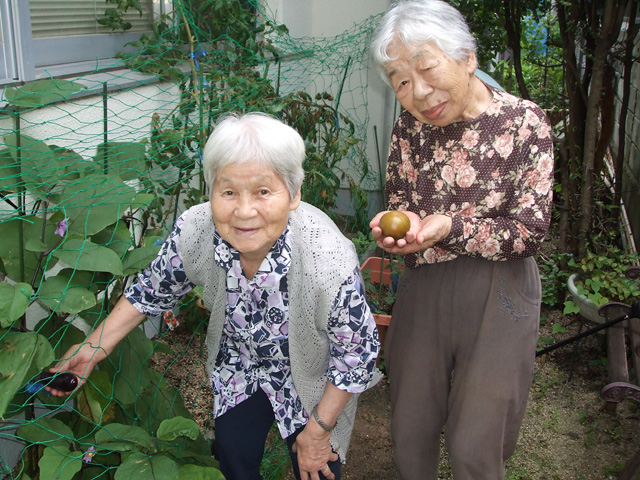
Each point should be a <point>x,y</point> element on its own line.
<point>240,435</point>
<point>460,356</point>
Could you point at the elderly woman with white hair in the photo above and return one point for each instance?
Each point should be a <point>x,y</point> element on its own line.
<point>472,168</point>
<point>290,338</point>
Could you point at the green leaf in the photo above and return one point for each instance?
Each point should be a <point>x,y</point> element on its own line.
<point>94,202</point>
<point>62,295</point>
<point>9,171</point>
<point>48,431</point>
<point>172,428</point>
<point>42,92</point>
<point>15,233</point>
<point>116,237</point>
<point>82,254</point>
<point>14,301</point>
<point>62,335</point>
<point>160,347</point>
<point>142,467</point>
<point>158,396</point>
<point>35,245</point>
<point>75,166</point>
<point>95,398</point>
<point>120,433</point>
<point>40,169</point>
<point>570,307</point>
<point>142,200</point>
<point>22,355</point>
<point>196,472</point>
<point>125,159</point>
<point>139,258</point>
<point>59,463</point>
<point>558,328</point>
<point>94,281</point>
<point>131,376</point>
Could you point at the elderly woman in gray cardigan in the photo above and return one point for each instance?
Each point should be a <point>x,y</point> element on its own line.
<point>290,337</point>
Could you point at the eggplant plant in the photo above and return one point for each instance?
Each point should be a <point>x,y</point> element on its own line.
<point>69,242</point>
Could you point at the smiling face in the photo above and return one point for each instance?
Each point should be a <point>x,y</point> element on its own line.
<point>432,86</point>
<point>250,205</point>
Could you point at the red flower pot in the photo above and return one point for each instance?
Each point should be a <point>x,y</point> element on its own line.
<point>372,266</point>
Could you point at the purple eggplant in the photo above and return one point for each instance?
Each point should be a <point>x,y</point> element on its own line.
<point>66,382</point>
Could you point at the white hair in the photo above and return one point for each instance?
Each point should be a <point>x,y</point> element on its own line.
<point>255,137</point>
<point>418,22</point>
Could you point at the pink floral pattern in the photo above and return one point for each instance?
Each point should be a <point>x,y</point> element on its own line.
<point>492,175</point>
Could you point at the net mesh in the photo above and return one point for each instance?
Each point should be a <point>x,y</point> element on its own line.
<point>93,173</point>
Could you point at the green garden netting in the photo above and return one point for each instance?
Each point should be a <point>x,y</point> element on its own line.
<point>93,173</point>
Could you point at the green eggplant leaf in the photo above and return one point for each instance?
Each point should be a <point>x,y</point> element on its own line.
<point>22,355</point>
<point>158,396</point>
<point>125,159</point>
<point>94,202</point>
<point>42,92</point>
<point>16,232</point>
<point>40,169</point>
<point>62,335</point>
<point>47,431</point>
<point>196,472</point>
<point>82,254</point>
<point>62,295</point>
<point>14,301</point>
<point>175,427</point>
<point>139,258</point>
<point>120,433</point>
<point>131,376</point>
<point>117,237</point>
<point>142,200</point>
<point>59,463</point>
<point>143,467</point>
<point>9,171</point>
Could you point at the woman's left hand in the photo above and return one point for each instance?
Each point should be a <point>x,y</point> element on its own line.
<point>314,452</point>
<point>423,233</point>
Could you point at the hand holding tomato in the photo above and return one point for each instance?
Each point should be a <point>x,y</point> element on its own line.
<point>395,224</point>
<point>422,234</point>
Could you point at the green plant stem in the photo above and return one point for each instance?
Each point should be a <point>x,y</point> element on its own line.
<point>192,61</point>
<point>105,129</point>
<point>21,214</point>
<point>381,277</point>
<point>344,79</point>
<point>380,172</point>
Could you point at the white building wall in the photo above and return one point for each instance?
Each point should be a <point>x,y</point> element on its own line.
<point>331,18</point>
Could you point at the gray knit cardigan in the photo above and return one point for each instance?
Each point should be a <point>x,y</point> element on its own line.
<point>321,260</point>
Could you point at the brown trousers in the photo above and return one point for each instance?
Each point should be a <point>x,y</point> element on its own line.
<point>460,354</point>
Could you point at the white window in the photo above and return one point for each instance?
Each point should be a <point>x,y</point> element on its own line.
<point>43,38</point>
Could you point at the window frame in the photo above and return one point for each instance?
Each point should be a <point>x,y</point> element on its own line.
<point>24,58</point>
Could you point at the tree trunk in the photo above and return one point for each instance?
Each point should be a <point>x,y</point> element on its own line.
<point>573,129</point>
<point>511,22</point>
<point>627,63</point>
<point>611,20</point>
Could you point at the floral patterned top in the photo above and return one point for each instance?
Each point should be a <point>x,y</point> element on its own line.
<point>254,348</point>
<point>492,175</point>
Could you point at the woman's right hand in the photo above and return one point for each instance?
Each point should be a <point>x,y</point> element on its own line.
<point>80,360</point>
<point>389,243</point>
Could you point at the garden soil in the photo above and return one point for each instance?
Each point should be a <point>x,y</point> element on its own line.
<point>566,434</point>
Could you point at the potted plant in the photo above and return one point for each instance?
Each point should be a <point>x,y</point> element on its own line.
<point>600,279</point>
<point>381,275</point>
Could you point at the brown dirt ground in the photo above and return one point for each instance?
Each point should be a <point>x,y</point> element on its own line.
<point>566,434</point>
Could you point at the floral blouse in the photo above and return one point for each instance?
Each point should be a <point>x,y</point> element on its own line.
<point>254,348</point>
<point>492,175</point>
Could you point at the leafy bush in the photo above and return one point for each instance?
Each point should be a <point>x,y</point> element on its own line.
<point>602,278</point>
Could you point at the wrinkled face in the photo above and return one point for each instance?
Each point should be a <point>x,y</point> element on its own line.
<point>250,205</point>
<point>432,86</point>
